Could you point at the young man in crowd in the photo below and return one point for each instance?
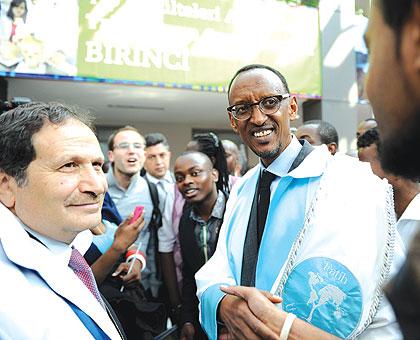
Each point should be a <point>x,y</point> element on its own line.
<point>393,40</point>
<point>318,132</point>
<point>51,192</point>
<point>198,229</point>
<point>128,190</point>
<point>156,164</point>
<point>290,228</point>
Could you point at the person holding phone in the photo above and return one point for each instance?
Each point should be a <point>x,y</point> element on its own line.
<point>113,242</point>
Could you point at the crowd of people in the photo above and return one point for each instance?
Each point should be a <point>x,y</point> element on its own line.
<point>308,244</point>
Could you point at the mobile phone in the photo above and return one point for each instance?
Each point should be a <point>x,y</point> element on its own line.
<point>137,212</point>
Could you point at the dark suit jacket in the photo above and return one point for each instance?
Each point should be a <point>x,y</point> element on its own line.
<point>192,261</point>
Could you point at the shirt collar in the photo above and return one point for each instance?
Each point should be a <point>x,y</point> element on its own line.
<point>218,209</point>
<point>281,165</point>
<point>112,181</point>
<point>167,178</point>
<point>313,165</point>
<point>60,249</point>
<point>412,212</point>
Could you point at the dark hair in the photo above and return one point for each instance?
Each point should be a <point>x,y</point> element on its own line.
<point>16,3</point>
<point>210,144</point>
<point>156,138</point>
<point>370,137</point>
<point>259,66</point>
<point>124,128</point>
<point>327,132</point>
<point>18,127</point>
<point>195,152</point>
<point>396,13</point>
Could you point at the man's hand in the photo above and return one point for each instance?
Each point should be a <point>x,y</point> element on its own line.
<point>133,278</point>
<point>187,332</point>
<point>240,319</point>
<point>261,304</point>
<point>127,233</point>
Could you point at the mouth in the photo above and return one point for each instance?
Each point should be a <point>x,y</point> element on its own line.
<point>190,192</point>
<point>262,132</point>
<point>91,207</point>
<point>132,160</point>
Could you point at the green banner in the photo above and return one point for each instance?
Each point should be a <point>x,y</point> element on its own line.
<point>197,44</point>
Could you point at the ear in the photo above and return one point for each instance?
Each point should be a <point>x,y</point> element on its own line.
<point>332,148</point>
<point>233,123</point>
<point>215,175</point>
<point>293,108</point>
<point>111,156</point>
<point>7,190</point>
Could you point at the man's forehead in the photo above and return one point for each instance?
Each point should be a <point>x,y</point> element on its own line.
<point>64,137</point>
<point>254,78</point>
<point>128,135</point>
<point>158,148</point>
<point>192,160</point>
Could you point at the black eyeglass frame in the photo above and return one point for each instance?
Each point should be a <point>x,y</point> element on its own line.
<point>281,97</point>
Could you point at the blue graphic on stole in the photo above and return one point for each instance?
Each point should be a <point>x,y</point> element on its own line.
<point>326,294</point>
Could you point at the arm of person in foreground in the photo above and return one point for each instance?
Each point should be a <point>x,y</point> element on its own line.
<point>247,312</point>
<point>124,237</point>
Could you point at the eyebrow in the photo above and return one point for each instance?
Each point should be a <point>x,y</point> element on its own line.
<point>78,159</point>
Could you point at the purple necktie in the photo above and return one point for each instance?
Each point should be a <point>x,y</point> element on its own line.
<point>84,273</point>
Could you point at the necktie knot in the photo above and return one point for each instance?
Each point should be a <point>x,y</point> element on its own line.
<point>266,179</point>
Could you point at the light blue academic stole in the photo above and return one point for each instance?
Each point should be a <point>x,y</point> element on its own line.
<point>285,218</point>
<point>319,290</point>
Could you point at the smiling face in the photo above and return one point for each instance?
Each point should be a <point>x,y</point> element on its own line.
<point>128,153</point>
<point>19,11</point>
<point>65,184</point>
<point>266,135</point>
<point>195,177</point>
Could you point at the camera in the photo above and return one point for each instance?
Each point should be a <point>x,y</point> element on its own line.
<point>15,102</point>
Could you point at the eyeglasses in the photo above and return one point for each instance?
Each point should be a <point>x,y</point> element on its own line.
<point>125,146</point>
<point>267,105</point>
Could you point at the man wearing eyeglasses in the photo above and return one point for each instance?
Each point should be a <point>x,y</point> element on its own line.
<point>315,230</point>
<point>128,190</point>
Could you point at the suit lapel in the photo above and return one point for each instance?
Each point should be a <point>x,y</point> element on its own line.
<point>58,277</point>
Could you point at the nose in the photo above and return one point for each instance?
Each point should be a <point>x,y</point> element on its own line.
<point>92,181</point>
<point>257,117</point>
<point>188,179</point>
<point>131,148</point>
<point>159,160</point>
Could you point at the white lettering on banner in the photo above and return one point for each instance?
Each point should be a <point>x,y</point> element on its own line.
<point>176,60</point>
<point>334,273</point>
<point>194,11</point>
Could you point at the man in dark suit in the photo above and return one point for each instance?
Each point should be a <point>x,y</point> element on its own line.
<point>198,229</point>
